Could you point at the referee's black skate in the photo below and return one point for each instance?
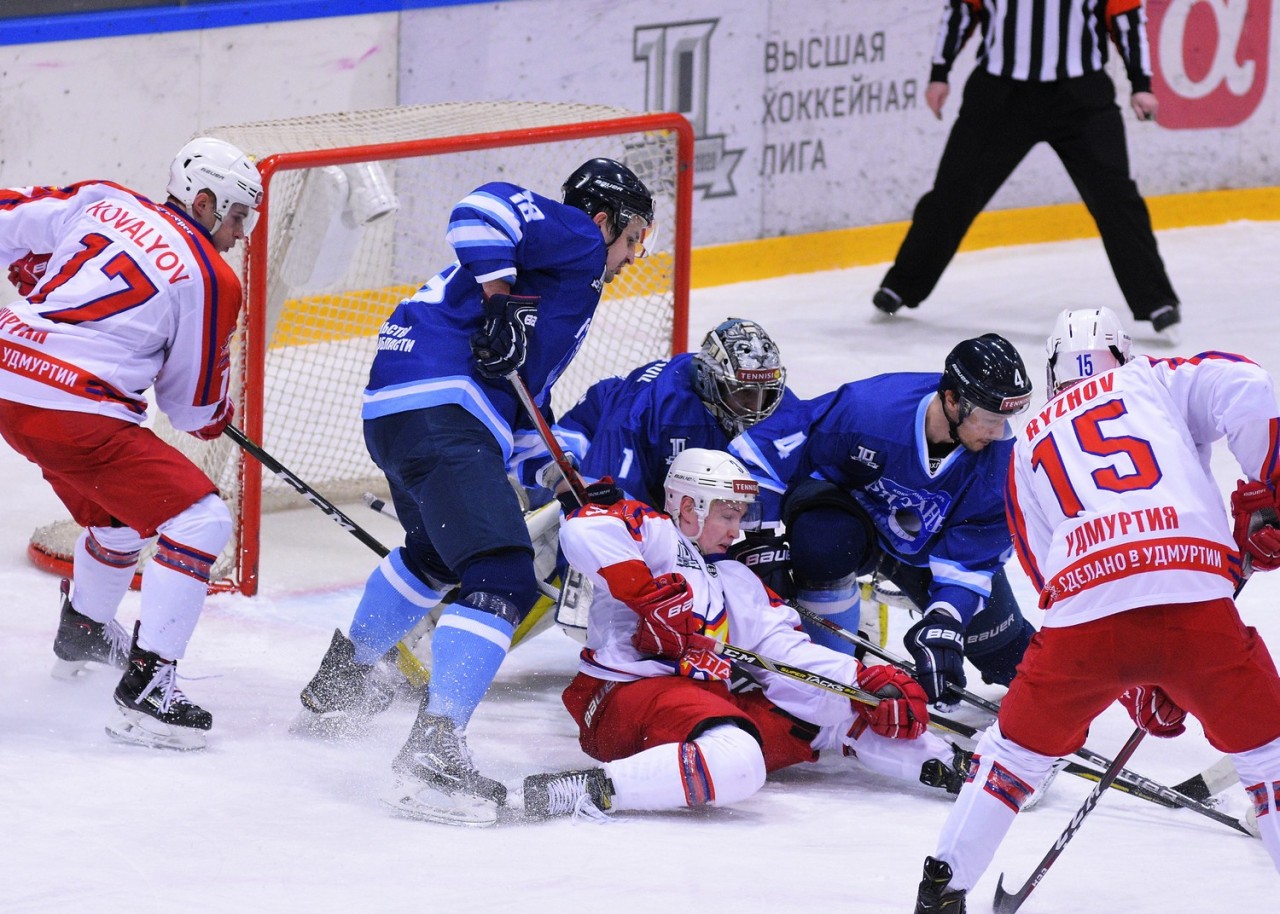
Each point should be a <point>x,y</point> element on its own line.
<point>152,710</point>
<point>81,641</point>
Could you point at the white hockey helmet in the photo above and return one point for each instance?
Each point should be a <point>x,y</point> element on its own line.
<point>1084,342</point>
<point>207,163</point>
<point>706,476</point>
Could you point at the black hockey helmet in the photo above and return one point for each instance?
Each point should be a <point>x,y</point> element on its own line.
<point>603,184</point>
<point>986,372</point>
<point>738,374</point>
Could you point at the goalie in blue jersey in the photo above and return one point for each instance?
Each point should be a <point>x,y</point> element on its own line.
<point>904,476</point>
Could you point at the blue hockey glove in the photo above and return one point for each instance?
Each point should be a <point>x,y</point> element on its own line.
<point>769,556</point>
<point>936,644</point>
<point>500,346</point>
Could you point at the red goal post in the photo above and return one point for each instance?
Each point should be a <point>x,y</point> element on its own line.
<point>353,218</point>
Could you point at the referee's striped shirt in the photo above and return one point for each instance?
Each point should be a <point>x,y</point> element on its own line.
<point>1045,40</point>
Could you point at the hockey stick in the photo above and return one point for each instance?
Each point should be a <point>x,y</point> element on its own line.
<point>1007,903</point>
<point>1128,781</point>
<point>311,495</point>
<point>567,468</point>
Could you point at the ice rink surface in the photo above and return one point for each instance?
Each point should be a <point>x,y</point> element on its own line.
<point>264,820</point>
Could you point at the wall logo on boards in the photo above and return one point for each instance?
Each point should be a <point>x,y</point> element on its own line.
<point>1209,59</point>
<point>677,59</point>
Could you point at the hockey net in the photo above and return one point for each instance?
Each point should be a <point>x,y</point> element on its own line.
<point>353,220</point>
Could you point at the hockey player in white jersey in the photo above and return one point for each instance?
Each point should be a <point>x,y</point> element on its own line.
<point>1121,528</point>
<point>651,697</point>
<point>121,295</point>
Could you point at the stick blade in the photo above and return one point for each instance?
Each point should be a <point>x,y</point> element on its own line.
<point>1004,903</point>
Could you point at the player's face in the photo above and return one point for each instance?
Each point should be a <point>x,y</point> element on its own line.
<point>232,228</point>
<point>625,248</point>
<point>980,426</point>
<point>720,529</point>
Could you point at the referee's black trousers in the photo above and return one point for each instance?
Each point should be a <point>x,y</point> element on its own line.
<point>1000,120</point>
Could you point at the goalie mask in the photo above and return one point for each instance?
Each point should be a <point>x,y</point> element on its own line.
<point>706,476</point>
<point>603,184</point>
<point>1084,343</point>
<point>223,170</point>
<point>738,374</point>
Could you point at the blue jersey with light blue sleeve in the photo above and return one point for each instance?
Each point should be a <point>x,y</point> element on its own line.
<point>499,232</point>
<point>871,441</point>
<point>771,450</point>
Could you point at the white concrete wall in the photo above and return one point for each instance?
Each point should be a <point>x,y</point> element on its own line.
<point>809,113</point>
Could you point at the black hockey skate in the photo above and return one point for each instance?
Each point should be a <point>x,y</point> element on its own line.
<point>934,897</point>
<point>153,711</point>
<point>578,793</point>
<point>343,695</point>
<point>936,773</point>
<point>438,781</point>
<point>81,641</point>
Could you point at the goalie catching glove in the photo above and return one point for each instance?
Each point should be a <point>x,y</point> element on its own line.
<point>502,343</point>
<point>1257,527</point>
<point>903,711</point>
<point>1154,711</point>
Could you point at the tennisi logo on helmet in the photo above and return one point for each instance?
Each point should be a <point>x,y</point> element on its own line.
<point>1209,60</point>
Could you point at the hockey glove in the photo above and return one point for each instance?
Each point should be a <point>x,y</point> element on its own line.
<point>603,492</point>
<point>502,343</point>
<point>936,644</point>
<point>668,623</point>
<point>26,272</point>
<point>1257,528</point>
<point>1154,711</point>
<point>769,556</point>
<point>221,419</point>
<point>903,712</point>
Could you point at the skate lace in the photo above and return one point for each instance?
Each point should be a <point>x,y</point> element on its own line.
<point>118,641</point>
<point>570,796</point>
<point>165,681</point>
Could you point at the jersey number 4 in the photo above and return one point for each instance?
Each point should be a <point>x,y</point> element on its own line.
<point>138,288</point>
<point>1091,440</point>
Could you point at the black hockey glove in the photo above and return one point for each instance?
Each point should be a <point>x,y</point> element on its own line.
<point>604,492</point>
<point>936,644</point>
<point>769,556</point>
<point>500,346</point>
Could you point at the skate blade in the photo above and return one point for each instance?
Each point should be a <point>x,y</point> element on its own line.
<point>69,670</point>
<point>138,729</point>
<point>334,726</point>
<point>426,803</point>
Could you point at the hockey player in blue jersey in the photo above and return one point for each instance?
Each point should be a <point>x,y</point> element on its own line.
<point>905,475</point>
<point>439,420</point>
<point>729,395</point>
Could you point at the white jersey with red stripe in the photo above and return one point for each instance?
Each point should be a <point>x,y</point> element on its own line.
<point>135,295</point>
<point>621,547</point>
<point>1111,500</point>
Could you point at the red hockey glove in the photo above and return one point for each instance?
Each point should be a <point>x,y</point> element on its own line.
<point>903,712</point>
<point>26,272</point>
<point>1154,711</point>
<point>1257,528</point>
<point>701,663</point>
<point>667,619</point>
<point>222,418</point>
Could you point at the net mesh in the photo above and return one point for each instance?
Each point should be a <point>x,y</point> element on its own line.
<point>356,222</point>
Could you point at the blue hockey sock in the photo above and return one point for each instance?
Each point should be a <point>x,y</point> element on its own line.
<point>840,603</point>
<point>393,602</point>
<point>468,647</point>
